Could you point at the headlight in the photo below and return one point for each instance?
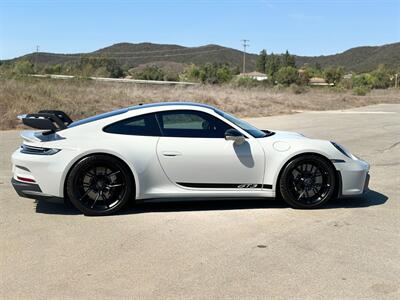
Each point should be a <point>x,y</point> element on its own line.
<point>38,150</point>
<point>342,150</point>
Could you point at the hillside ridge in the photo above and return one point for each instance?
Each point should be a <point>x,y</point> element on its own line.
<point>362,58</point>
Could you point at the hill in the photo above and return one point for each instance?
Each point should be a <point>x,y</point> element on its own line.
<point>134,55</point>
<point>355,59</point>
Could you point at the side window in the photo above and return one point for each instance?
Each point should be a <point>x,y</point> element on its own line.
<point>187,123</point>
<point>140,125</point>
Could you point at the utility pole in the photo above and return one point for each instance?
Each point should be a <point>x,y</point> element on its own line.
<point>36,57</point>
<point>395,80</point>
<point>245,45</point>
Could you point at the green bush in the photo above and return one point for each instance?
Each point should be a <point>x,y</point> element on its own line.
<point>23,67</point>
<point>209,73</point>
<point>363,80</point>
<point>109,67</point>
<point>247,82</point>
<point>333,75</point>
<point>380,78</point>
<point>287,76</point>
<point>150,73</point>
<point>360,90</point>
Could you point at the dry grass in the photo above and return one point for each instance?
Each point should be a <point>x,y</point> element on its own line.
<point>82,98</point>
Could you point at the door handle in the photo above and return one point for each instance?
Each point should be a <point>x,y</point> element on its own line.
<point>171,153</point>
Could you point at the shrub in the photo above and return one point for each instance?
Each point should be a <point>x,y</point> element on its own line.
<point>150,73</point>
<point>362,80</point>
<point>209,73</point>
<point>247,82</point>
<point>23,67</point>
<point>287,75</point>
<point>380,78</point>
<point>360,90</point>
<point>333,75</point>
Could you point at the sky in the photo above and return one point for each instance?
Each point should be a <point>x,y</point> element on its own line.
<point>304,27</point>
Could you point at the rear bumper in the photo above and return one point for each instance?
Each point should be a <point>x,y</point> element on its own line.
<point>32,191</point>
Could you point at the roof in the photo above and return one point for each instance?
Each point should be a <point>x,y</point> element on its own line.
<point>147,105</point>
<point>317,80</point>
<point>255,73</point>
<point>140,106</point>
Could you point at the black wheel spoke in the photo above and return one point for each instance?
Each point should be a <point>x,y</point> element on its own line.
<point>85,194</point>
<point>95,200</point>
<point>112,174</point>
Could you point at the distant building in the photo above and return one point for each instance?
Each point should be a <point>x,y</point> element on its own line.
<point>255,75</point>
<point>318,81</point>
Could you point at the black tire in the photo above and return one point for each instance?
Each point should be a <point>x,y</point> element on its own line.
<point>99,185</point>
<point>307,182</point>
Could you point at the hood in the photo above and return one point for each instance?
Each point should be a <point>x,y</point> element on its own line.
<point>282,135</point>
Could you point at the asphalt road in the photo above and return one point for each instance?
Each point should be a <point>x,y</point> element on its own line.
<point>219,249</point>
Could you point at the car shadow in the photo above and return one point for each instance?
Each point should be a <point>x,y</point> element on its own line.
<point>372,198</point>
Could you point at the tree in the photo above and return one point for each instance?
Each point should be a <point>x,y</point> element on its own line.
<point>381,78</point>
<point>287,75</point>
<point>333,75</point>
<point>261,61</point>
<point>288,60</point>
<point>273,64</point>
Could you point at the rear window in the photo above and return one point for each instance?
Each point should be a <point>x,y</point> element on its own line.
<point>145,125</point>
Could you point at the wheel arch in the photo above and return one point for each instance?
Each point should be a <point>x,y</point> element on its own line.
<point>113,155</point>
<point>338,177</point>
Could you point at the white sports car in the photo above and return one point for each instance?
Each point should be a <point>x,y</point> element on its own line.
<point>176,150</point>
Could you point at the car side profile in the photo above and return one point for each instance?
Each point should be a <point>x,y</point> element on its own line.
<point>179,151</point>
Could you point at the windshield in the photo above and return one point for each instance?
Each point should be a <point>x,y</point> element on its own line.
<point>255,132</point>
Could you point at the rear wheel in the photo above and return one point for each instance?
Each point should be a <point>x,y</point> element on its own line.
<point>99,185</point>
<point>307,182</point>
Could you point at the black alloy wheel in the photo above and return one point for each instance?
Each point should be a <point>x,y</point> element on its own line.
<point>307,182</point>
<point>99,185</point>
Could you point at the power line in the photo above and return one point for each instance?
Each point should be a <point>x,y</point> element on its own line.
<point>114,53</point>
<point>245,45</point>
<point>128,56</point>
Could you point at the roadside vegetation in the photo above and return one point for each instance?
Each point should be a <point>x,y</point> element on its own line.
<point>280,69</point>
<point>82,97</point>
<point>286,88</point>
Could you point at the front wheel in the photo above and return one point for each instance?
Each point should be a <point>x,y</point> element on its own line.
<point>99,185</point>
<point>307,182</point>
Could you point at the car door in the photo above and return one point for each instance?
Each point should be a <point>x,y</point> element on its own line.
<point>194,153</point>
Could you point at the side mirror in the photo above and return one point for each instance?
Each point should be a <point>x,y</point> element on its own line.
<point>235,136</point>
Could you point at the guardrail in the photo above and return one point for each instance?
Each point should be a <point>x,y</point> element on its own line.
<point>124,80</point>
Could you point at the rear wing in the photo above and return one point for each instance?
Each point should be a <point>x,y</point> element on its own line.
<point>52,120</point>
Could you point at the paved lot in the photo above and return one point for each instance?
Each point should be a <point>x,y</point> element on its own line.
<point>238,249</point>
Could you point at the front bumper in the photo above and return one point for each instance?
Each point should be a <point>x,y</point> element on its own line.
<point>354,177</point>
<point>33,191</point>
